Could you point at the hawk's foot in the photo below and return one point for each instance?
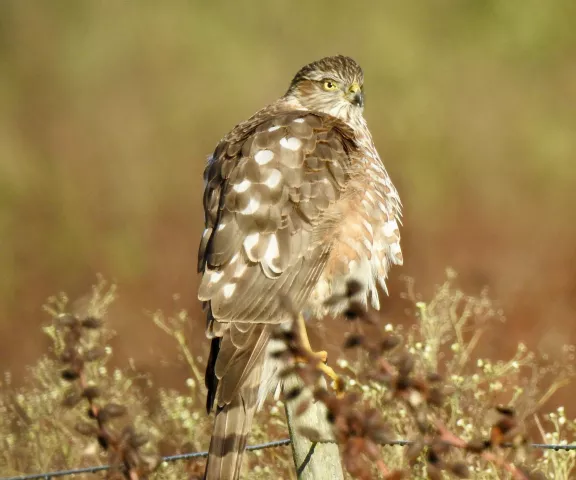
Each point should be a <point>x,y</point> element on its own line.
<point>319,358</point>
<point>337,383</point>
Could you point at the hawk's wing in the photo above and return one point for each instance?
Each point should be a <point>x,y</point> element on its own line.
<point>265,199</point>
<point>269,189</point>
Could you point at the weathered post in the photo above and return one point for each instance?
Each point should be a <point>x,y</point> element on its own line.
<point>313,461</point>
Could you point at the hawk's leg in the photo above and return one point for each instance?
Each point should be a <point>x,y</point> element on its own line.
<point>322,355</point>
<point>319,358</point>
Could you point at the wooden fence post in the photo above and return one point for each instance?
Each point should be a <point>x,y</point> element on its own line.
<point>313,461</point>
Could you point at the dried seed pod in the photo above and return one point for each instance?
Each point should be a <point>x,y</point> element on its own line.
<point>404,383</point>
<point>433,458</point>
<point>506,424</point>
<point>435,397</point>
<point>92,322</point>
<point>433,377</point>
<point>477,445</point>
<point>292,393</point>
<point>70,374</point>
<point>103,441</point>
<point>132,459</point>
<point>460,470</point>
<point>405,364</point>
<point>91,392</point>
<point>354,311</point>
<point>433,472</point>
<point>414,450</point>
<point>330,416</point>
<point>353,287</point>
<point>353,340</point>
<point>505,410</point>
<point>86,429</point>
<point>113,410</point>
<point>389,342</point>
<point>138,440</point>
<point>287,336</point>
<point>288,371</point>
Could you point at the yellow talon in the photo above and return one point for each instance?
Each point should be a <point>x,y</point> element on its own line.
<point>321,357</point>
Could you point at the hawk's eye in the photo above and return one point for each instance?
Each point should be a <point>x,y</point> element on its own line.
<point>330,85</point>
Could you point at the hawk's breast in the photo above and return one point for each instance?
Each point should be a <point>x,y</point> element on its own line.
<point>368,238</point>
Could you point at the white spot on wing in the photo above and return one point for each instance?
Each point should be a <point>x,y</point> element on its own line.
<point>272,250</point>
<point>228,289</point>
<point>251,240</point>
<point>242,186</point>
<point>215,277</point>
<point>291,143</point>
<point>299,120</point>
<point>240,269</point>
<point>367,244</point>
<point>222,226</point>
<point>273,179</point>
<point>366,223</point>
<point>263,157</point>
<point>251,207</point>
<point>274,128</point>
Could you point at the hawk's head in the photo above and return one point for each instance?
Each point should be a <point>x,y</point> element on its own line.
<point>332,85</point>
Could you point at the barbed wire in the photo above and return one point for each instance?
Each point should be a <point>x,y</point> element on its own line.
<point>250,448</point>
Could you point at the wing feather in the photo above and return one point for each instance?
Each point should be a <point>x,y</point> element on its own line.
<point>269,190</point>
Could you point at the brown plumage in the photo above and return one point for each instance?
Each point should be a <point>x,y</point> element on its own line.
<point>297,202</point>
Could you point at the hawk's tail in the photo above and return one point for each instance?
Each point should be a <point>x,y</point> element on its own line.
<point>231,429</point>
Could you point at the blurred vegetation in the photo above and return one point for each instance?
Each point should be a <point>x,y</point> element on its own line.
<point>43,423</point>
<point>109,109</point>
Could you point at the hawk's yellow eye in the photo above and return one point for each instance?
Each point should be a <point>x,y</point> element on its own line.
<point>330,85</point>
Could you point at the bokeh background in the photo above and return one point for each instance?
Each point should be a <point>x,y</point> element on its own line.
<point>109,109</point>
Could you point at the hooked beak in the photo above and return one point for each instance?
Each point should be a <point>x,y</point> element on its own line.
<point>355,95</point>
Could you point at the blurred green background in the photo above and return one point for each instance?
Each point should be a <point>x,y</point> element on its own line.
<point>108,110</point>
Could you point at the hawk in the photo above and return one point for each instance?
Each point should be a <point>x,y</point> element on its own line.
<point>297,203</point>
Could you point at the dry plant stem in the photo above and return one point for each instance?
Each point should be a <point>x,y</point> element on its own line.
<point>453,440</point>
<point>94,409</point>
<point>551,390</point>
<point>103,431</point>
<point>123,447</point>
<point>183,345</point>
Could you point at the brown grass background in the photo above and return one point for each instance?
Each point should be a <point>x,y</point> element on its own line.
<point>109,109</point>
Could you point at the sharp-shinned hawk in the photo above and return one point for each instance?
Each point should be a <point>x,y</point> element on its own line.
<point>297,203</point>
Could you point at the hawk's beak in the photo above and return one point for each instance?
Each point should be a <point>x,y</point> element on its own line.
<point>355,95</point>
